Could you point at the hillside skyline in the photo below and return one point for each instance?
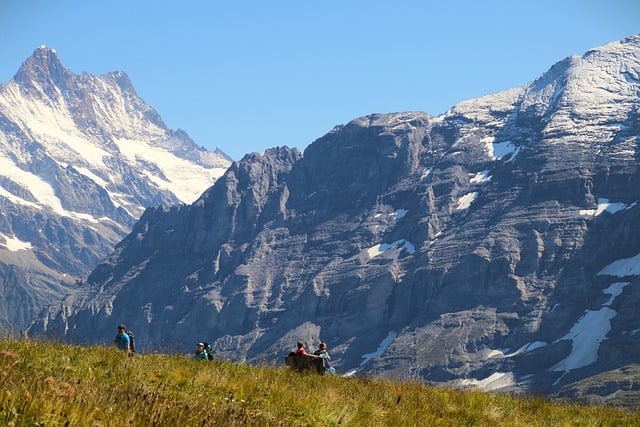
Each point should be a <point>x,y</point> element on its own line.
<point>248,78</point>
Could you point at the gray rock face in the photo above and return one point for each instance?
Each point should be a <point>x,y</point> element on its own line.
<point>475,248</point>
<point>81,157</point>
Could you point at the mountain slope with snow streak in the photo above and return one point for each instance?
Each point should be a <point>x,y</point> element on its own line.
<point>81,158</point>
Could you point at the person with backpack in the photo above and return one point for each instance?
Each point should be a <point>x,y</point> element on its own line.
<point>322,352</point>
<point>122,340</point>
<point>209,350</point>
<point>201,353</point>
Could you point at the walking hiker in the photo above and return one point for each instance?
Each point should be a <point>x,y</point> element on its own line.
<point>209,350</point>
<point>122,340</point>
<point>201,353</point>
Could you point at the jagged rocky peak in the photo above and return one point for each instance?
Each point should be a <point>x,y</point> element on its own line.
<point>276,158</point>
<point>81,157</point>
<point>248,185</point>
<point>355,162</point>
<point>43,66</point>
<point>258,171</point>
<point>123,81</point>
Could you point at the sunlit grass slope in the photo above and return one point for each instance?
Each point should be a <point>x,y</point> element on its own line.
<point>55,385</point>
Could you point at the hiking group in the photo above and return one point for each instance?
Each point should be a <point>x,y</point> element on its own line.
<point>204,351</point>
<point>298,359</point>
<point>124,340</point>
<point>301,360</point>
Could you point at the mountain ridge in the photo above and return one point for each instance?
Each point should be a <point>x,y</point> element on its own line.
<point>463,249</point>
<point>81,157</point>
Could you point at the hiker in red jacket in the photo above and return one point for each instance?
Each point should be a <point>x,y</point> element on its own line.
<point>301,349</point>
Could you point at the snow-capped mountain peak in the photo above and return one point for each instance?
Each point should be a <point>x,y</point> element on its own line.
<point>96,123</point>
<point>43,67</point>
<point>81,157</point>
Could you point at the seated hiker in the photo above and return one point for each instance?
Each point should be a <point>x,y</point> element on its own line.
<point>201,353</point>
<point>322,352</point>
<point>302,361</point>
<point>301,349</point>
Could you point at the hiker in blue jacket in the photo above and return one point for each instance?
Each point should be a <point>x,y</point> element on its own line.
<point>122,339</point>
<point>201,353</point>
<point>322,352</point>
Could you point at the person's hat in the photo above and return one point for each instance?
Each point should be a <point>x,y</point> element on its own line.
<point>122,327</point>
<point>200,344</point>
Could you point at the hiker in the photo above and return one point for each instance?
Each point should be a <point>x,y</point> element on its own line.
<point>302,361</point>
<point>122,340</point>
<point>300,349</point>
<point>201,353</point>
<point>209,350</point>
<point>322,352</point>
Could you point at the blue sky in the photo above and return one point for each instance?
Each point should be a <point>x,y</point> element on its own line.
<point>248,75</point>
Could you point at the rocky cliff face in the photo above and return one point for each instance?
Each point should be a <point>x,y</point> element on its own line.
<point>81,157</point>
<point>495,245</point>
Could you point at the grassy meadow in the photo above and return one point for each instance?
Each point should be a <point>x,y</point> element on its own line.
<point>52,384</point>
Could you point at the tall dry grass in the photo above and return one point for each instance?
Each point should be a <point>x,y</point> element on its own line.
<point>52,384</point>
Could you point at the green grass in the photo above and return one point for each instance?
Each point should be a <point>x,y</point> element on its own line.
<point>58,385</point>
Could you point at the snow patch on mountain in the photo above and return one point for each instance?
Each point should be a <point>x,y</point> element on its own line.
<point>386,342</point>
<point>588,332</point>
<point>605,206</point>
<point>480,177</point>
<point>400,213</point>
<point>425,173</point>
<point>17,200</point>
<point>495,381</point>
<point>51,124</point>
<point>184,179</point>
<point>14,244</point>
<point>465,201</point>
<point>498,150</point>
<point>380,248</point>
<point>615,289</point>
<point>504,354</point>
<point>586,336</point>
<point>622,267</point>
<point>41,190</point>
